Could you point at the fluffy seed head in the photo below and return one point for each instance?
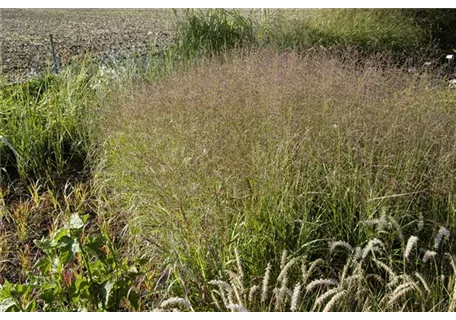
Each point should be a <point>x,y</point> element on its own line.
<point>443,233</point>
<point>176,301</point>
<point>428,255</point>
<point>335,244</point>
<point>295,297</point>
<point>322,298</point>
<point>236,308</point>
<point>321,282</point>
<point>412,241</point>
<point>334,300</point>
<point>264,293</point>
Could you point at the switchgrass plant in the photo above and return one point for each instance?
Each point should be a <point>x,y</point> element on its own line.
<point>212,31</point>
<point>268,152</point>
<point>46,123</point>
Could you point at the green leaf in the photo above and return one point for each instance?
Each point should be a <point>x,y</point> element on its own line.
<point>85,217</point>
<point>95,244</point>
<point>5,290</point>
<point>31,306</point>
<point>142,261</point>
<point>20,289</point>
<point>106,292</point>
<point>56,264</point>
<point>133,297</point>
<point>133,270</point>
<point>44,265</point>
<point>75,222</point>
<point>48,296</point>
<point>58,235</point>
<point>8,305</point>
<point>68,248</point>
<point>44,244</point>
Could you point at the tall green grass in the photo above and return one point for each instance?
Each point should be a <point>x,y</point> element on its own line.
<point>213,31</point>
<point>47,122</point>
<point>366,30</point>
<point>270,152</point>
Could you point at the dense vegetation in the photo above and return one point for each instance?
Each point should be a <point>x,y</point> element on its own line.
<point>272,161</point>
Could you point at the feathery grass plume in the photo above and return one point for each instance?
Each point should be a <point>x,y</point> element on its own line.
<point>238,263</point>
<point>236,308</point>
<point>321,282</point>
<point>323,297</point>
<point>420,221</point>
<point>394,281</point>
<point>428,255</point>
<point>252,292</point>
<point>295,297</point>
<point>223,286</point>
<point>235,284</point>
<point>383,221</point>
<point>390,271</point>
<point>284,272</point>
<point>275,295</point>
<point>304,270</point>
<point>353,280</point>
<point>280,295</point>
<point>357,254</point>
<point>371,222</point>
<point>372,245</point>
<point>423,282</point>
<point>283,259</point>
<point>443,233</point>
<point>338,296</point>
<point>344,273</point>
<point>264,292</point>
<point>335,244</point>
<point>375,276</point>
<point>360,294</point>
<point>176,301</point>
<point>307,273</point>
<point>414,284</point>
<point>412,241</point>
<point>283,277</point>
<point>401,291</point>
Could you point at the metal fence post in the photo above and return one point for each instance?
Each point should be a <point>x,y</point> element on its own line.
<point>55,61</point>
